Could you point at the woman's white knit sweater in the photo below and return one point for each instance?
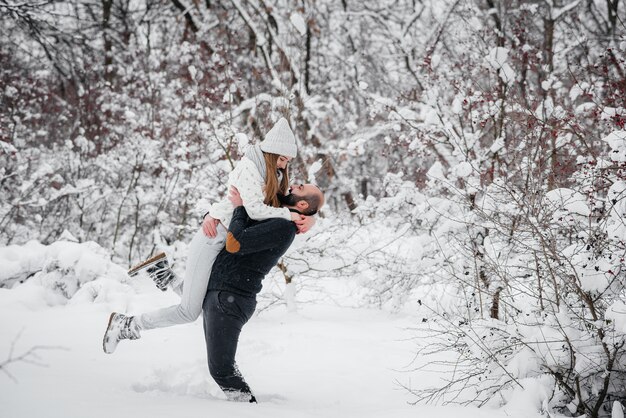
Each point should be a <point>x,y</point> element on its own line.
<point>247,179</point>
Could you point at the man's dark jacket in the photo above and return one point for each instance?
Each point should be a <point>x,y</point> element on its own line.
<point>252,249</point>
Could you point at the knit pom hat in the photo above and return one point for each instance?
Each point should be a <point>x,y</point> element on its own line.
<point>280,140</point>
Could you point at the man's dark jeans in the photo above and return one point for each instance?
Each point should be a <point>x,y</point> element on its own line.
<point>224,315</point>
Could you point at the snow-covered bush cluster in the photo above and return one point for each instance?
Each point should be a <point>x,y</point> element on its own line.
<point>536,288</point>
<point>62,272</point>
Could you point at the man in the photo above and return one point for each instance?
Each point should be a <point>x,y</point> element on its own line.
<point>252,249</point>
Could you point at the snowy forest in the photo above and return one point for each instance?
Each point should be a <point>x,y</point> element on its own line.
<point>473,158</point>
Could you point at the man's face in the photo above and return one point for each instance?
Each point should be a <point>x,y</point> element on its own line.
<point>301,190</point>
<point>296,193</point>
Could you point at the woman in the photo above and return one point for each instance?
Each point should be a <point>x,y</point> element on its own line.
<point>260,176</point>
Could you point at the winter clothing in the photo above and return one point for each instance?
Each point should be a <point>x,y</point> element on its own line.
<point>250,173</point>
<point>121,327</point>
<point>224,315</point>
<point>158,269</point>
<point>252,249</point>
<point>202,253</point>
<point>254,154</point>
<point>161,273</point>
<point>280,140</point>
<point>247,179</point>
<point>146,264</point>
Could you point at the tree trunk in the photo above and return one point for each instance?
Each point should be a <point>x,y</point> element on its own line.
<point>307,59</point>
<point>494,312</point>
<point>190,24</point>
<point>108,57</point>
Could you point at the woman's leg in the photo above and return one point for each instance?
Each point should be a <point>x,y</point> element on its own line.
<point>202,253</point>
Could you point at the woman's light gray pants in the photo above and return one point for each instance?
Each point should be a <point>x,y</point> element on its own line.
<point>201,255</point>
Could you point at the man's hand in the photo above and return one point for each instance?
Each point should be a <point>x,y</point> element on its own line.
<point>305,223</point>
<point>234,197</point>
<point>209,226</point>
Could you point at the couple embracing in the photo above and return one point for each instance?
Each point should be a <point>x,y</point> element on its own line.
<point>241,239</point>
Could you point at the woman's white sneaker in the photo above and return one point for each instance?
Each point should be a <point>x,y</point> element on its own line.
<point>121,327</point>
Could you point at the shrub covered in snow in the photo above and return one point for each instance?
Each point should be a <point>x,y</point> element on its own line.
<point>540,279</point>
<point>63,271</point>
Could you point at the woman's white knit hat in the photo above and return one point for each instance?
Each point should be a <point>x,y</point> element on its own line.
<point>280,140</point>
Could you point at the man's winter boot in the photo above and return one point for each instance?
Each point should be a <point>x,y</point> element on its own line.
<point>158,268</point>
<point>239,396</point>
<point>121,327</point>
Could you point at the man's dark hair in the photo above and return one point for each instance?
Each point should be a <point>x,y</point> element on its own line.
<point>314,201</point>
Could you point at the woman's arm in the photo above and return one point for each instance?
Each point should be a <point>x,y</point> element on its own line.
<point>250,185</point>
<point>244,174</point>
<point>245,237</point>
<point>209,226</point>
<point>253,200</point>
<point>305,223</point>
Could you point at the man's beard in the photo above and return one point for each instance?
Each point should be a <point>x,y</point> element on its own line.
<point>287,200</point>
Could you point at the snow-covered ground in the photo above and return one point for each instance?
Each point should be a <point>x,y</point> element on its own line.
<point>326,360</point>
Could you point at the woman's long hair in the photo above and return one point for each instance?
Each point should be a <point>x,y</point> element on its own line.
<point>272,186</point>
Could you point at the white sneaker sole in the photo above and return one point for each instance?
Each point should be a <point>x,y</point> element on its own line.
<point>104,339</point>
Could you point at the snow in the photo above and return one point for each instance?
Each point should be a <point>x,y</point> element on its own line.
<point>545,109</point>
<point>617,142</point>
<point>557,12</point>
<point>430,116</point>
<point>298,22</point>
<point>497,59</point>
<point>312,171</point>
<point>376,106</point>
<point>357,146</point>
<point>192,71</point>
<point>532,8</point>
<point>536,392</point>
<point>617,313</point>
<point>10,91</point>
<point>563,139</point>
<point>463,170</point>
<point>584,108</point>
<point>615,225</point>
<point>404,113</point>
<point>242,141</point>
<point>568,200</point>
<point>457,105</point>
<point>130,115</point>
<point>435,172</point>
<point>7,148</point>
<point>327,359</point>
<point>435,59</point>
<point>608,113</point>
<point>575,92</point>
<point>228,97</point>
<point>594,273</point>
